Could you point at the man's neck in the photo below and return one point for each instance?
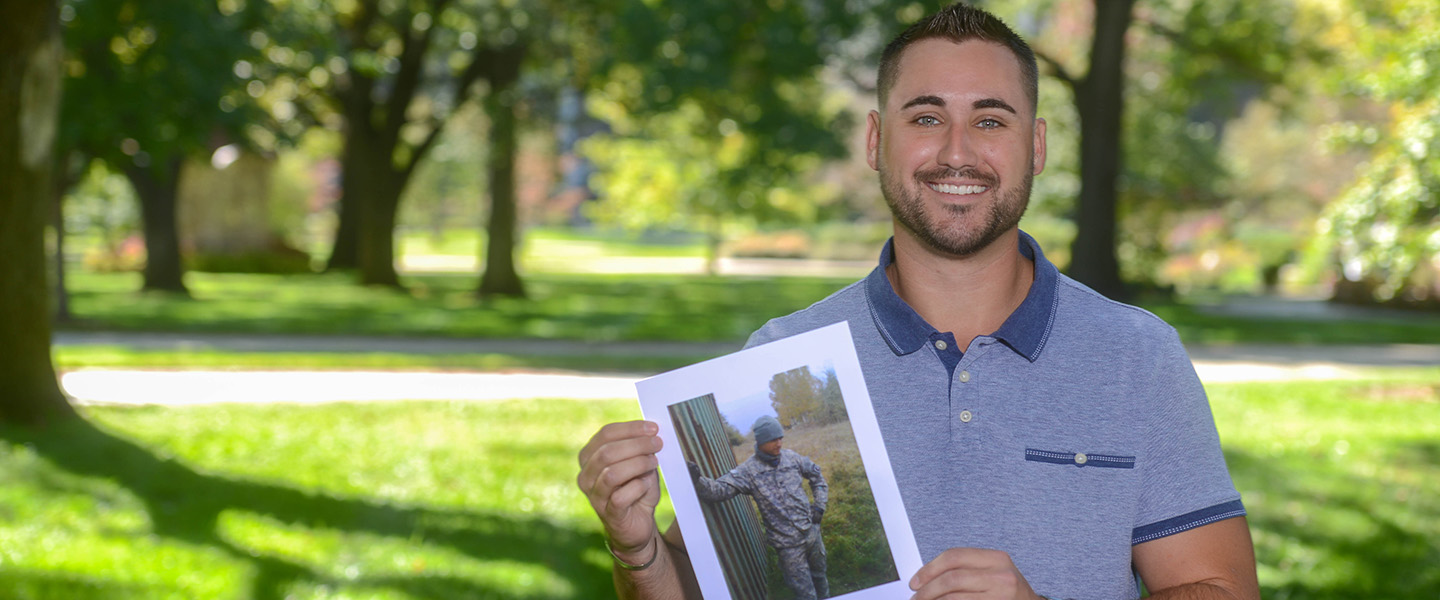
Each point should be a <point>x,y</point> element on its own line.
<point>968,296</point>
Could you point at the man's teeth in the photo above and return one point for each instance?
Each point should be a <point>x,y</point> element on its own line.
<point>946,188</point>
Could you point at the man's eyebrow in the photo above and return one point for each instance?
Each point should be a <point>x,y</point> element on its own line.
<point>919,100</point>
<point>994,103</point>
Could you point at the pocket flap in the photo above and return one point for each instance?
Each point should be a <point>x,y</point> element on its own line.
<point>1080,459</point>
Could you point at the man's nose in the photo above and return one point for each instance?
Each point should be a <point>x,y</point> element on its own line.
<point>958,151</point>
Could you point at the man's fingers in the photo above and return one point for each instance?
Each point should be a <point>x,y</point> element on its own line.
<point>602,458</point>
<point>627,496</point>
<point>618,474</point>
<point>961,571</point>
<point>959,560</point>
<point>616,431</point>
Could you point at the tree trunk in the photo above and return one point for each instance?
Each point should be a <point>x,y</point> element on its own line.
<point>30,54</point>
<point>57,222</point>
<point>156,188</point>
<point>345,251</point>
<point>376,197</point>
<point>500,278</point>
<point>376,251</point>
<point>1099,100</point>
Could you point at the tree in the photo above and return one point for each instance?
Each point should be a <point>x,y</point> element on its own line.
<point>147,85</point>
<point>500,277</point>
<point>30,54</point>
<point>719,111</point>
<point>389,76</point>
<point>1384,231</point>
<point>795,395</point>
<point>832,402</point>
<point>1211,57</point>
<point>1099,101</point>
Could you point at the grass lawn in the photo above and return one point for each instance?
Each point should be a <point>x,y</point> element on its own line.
<point>451,500</point>
<point>576,307</point>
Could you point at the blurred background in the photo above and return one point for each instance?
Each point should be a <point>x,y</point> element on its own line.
<point>319,299</point>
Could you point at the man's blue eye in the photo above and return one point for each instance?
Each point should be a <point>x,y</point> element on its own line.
<point>927,120</point>
<point>989,123</point>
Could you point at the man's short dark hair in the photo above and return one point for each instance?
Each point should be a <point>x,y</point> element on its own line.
<point>959,23</point>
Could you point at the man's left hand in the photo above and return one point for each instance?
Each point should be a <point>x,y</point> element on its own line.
<point>971,573</point>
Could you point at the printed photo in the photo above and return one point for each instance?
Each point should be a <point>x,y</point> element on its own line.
<point>782,488</point>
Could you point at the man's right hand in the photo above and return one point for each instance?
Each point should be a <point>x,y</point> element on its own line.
<point>618,475</point>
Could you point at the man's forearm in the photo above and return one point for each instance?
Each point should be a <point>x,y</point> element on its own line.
<point>1200,590</point>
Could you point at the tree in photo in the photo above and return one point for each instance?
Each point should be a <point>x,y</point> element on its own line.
<point>795,395</point>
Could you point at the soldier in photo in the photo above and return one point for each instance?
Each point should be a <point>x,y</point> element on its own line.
<point>775,477</point>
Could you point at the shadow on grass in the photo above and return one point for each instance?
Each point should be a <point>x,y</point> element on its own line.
<point>1334,535</point>
<point>185,505</point>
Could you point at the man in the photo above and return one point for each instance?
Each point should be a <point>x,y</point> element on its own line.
<point>1047,442</point>
<point>772,476</point>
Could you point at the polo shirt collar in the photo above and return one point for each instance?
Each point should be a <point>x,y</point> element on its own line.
<point>1024,332</point>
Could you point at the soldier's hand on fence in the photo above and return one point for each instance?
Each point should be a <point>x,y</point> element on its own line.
<point>618,476</point>
<point>694,470</point>
<point>973,573</point>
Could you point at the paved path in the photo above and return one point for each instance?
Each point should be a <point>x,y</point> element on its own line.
<point>1215,364</point>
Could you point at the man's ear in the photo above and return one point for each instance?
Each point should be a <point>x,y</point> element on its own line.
<point>1039,161</point>
<point>872,140</point>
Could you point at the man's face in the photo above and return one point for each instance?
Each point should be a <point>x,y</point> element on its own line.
<point>771,447</point>
<point>956,145</point>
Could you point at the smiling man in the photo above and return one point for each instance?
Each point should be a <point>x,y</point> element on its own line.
<point>1047,442</point>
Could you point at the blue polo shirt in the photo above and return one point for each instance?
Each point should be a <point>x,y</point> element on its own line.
<point>1073,432</point>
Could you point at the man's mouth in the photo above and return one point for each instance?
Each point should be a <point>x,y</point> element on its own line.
<point>961,190</point>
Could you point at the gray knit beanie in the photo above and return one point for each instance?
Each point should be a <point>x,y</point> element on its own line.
<point>767,429</point>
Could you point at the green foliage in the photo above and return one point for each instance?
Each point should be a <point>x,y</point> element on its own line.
<point>731,432</point>
<point>1384,231</point>
<point>147,81</point>
<point>719,114</point>
<point>277,260</point>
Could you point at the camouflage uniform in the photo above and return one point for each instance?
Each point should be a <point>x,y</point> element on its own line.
<point>792,527</point>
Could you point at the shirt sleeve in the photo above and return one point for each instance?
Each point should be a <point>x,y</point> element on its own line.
<point>818,487</point>
<point>1184,479</point>
<point>718,490</point>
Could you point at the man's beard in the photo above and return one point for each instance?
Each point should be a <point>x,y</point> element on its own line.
<point>908,209</point>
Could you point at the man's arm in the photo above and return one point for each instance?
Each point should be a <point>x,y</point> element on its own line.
<point>818,488</point>
<point>618,476</point>
<point>1212,561</point>
<point>718,490</point>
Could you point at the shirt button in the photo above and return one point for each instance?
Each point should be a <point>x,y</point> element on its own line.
<point>965,416</point>
<point>941,345</point>
<point>964,376</point>
<point>1080,458</point>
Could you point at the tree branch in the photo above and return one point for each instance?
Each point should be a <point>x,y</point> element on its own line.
<point>1059,71</point>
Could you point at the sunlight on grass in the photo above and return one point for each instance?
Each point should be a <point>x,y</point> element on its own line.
<point>1342,481</point>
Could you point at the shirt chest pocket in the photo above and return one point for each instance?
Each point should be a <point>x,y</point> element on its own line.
<point>1082,481</point>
